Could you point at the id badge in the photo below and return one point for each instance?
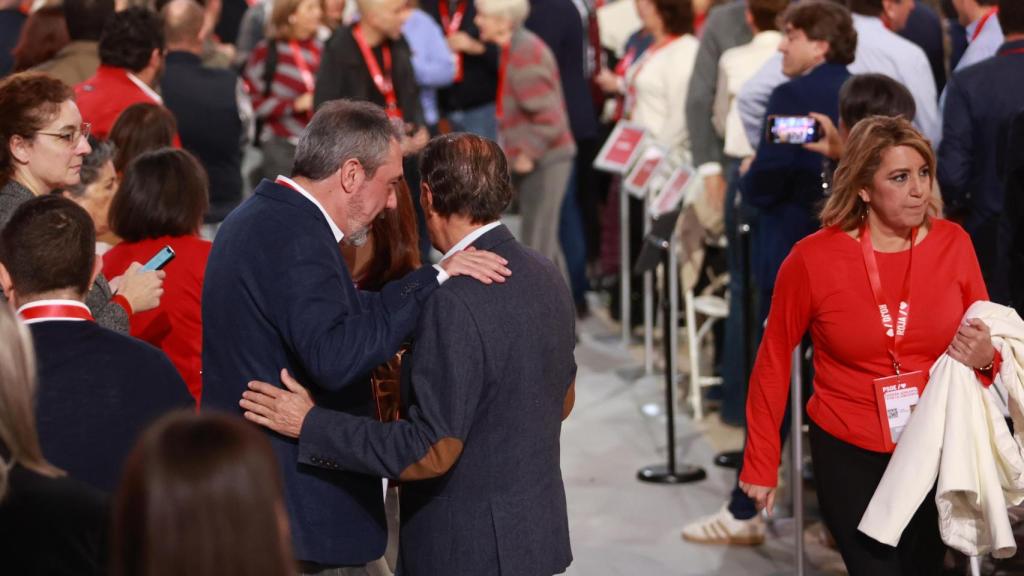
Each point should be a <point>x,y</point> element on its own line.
<point>896,397</point>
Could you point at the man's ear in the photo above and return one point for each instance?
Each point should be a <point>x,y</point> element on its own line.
<point>426,198</point>
<point>6,284</point>
<point>352,176</point>
<point>155,58</point>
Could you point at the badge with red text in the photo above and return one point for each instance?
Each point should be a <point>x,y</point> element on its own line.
<point>640,177</point>
<point>621,149</point>
<point>896,397</point>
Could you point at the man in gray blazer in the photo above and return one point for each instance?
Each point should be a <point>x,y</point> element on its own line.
<point>490,380</point>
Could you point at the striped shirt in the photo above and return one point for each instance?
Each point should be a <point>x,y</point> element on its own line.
<point>275,107</point>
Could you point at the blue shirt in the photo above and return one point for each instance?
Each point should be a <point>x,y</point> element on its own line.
<point>432,61</point>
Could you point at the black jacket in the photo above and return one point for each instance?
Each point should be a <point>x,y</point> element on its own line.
<point>204,101</point>
<point>479,83</point>
<point>343,74</point>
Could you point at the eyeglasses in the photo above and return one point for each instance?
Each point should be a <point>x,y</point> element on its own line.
<point>72,138</point>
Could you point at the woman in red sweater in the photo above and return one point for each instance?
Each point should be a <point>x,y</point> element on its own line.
<point>851,285</point>
<point>161,202</point>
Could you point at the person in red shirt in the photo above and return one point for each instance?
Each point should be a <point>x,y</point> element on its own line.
<point>851,284</point>
<point>131,60</point>
<point>161,202</point>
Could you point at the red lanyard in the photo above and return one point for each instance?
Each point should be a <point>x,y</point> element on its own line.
<point>381,79</point>
<point>894,332</point>
<point>451,25</point>
<point>499,103</point>
<point>307,75</point>
<point>56,312</point>
<point>982,22</point>
<point>630,102</point>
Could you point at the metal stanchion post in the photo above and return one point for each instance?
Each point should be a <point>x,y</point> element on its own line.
<point>624,267</point>
<point>648,302</point>
<point>796,441</point>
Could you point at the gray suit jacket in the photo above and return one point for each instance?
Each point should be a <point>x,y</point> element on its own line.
<point>107,313</point>
<point>490,380</point>
<point>726,27</point>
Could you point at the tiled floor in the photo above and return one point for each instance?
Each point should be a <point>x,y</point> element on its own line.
<point>619,525</point>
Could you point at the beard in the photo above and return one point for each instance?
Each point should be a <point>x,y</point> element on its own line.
<point>358,238</point>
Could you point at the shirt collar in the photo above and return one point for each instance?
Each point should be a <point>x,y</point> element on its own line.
<point>52,302</point>
<point>767,37</point>
<point>145,88</point>
<point>862,21</point>
<point>338,234</point>
<point>470,238</point>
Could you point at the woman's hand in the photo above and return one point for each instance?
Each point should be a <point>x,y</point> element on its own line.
<point>522,164</point>
<point>143,290</point>
<point>972,345</point>
<point>608,81</point>
<point>462,42</point>
<point>763,496</point>
<point>303,103</point>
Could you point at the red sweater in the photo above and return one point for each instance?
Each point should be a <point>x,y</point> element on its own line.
<point>176,325</point>
<point>823,286</point>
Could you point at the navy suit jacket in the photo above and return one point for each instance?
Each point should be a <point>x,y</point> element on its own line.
<point>277,295</point>
<point>784,181</point>
<point>559,24</point>
<point>981,102</point>
<point>490,373</point>
<point>98,390</point>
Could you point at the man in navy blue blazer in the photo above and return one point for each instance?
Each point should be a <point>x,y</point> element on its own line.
<point>278,295</point>
<point>491,377</point>
<point>981,102</point>
<point>98,389</point>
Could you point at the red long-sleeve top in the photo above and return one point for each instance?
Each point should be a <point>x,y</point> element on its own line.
<point>823,286</point>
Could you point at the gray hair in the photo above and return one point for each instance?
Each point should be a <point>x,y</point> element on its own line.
<point>103,151</point>
<point>515,11</point>
<point>343,130</point>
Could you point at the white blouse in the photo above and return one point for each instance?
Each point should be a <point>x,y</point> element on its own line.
<point>659,82</point>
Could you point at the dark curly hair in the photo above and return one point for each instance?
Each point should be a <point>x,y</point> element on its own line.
<point>824,20</point>
<point>28,101</point>
<point>677,15</point>
<point>129,38</point>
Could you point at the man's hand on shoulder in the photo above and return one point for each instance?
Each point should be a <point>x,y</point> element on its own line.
<point>283,411</point>
<point>487,267</point>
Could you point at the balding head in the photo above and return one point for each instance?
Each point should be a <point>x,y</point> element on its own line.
<point>183,24</point>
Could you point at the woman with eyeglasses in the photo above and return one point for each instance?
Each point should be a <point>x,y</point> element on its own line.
<point>43,143</point>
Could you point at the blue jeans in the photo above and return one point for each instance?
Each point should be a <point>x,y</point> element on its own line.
<point>574,244</point>
<point>482,121</point>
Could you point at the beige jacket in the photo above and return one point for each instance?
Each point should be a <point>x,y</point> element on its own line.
<point>74,63</point>
<point>958,436</point>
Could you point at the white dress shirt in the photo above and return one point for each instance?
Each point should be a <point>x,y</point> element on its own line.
<point>879,51</point>
<point>461,245</point>
<point>662,78</point>
<point>736,66</point>
<point>338,234</point>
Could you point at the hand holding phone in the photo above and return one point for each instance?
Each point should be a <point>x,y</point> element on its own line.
<point>159,260</point>
<point>793,129</point>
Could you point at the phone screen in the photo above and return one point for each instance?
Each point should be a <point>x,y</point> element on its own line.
<point>793,129</point>
<point>159,260</point>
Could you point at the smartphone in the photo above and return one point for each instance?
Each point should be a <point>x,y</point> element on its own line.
<point>793,129</point>
<point>159,260</point>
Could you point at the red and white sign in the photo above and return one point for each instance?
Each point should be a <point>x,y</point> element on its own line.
<point>621,149</point>
<point>673,193</point>
<point>642,174</point>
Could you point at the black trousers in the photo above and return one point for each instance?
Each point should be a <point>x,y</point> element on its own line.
<point>847,477</point>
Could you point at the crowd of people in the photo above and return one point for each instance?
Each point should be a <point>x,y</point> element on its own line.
<point>386,140</point>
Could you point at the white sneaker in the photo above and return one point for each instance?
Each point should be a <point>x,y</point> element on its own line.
<point>722,528</point>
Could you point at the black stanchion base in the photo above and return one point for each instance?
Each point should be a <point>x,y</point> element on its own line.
<point>730,459</point>
<point>659,474</point>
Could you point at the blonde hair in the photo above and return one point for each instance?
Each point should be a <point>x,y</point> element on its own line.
<point>278,26</point>
<point>515,11</point>
<point>17,406</point>
<point>868,142</point>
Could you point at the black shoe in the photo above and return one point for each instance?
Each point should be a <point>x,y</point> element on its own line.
<point>730,459</point>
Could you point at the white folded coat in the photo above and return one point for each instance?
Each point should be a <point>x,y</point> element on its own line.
<point>958,434</point>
